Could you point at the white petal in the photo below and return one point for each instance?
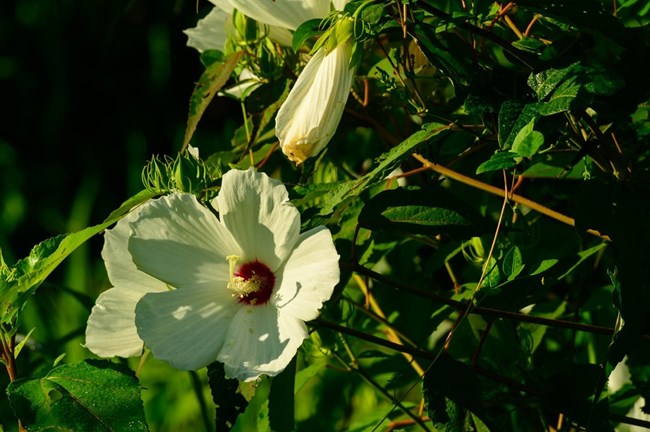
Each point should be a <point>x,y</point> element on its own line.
<point>309,116</point>
<point>257,211</point>
<point>119,265</point>
<point>260,341</point>
<point>210,32</point>
<point>111,325</point>
<point>186,327</point>
<point>224,5</point>
<point>281,35</point>
<point>179,241</point>
<point>309,276</point>
<point>283,13</point>
<point>339,4</point>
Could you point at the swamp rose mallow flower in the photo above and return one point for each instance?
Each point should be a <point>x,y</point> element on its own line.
<point>312,111</point>
<point>236,288</point>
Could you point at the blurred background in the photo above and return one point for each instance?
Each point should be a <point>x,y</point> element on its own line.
<point>89,91</point>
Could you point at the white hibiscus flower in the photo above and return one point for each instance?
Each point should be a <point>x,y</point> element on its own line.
<point>236,288</point>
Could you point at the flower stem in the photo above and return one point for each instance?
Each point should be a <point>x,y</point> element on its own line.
<point>9,358</point>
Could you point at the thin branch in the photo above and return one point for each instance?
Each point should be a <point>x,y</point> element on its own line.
<point>500,193</point>
<point>485,311</point>
<point>420,353</point>
<point>390,332</point>
<point>479,32</point>
<point>354,367</point>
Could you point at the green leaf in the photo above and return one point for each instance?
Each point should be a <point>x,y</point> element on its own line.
<point>135,200</point>
<point>634,13</point>
<point>528,141</point>
<point>499,160</point>
<point>424,211</point>
<point>557,164</point>
<point>20,281</point>
<point>543,266</point>
<point>544,83</point>
<point>582,257</point>
<point>563,98</point>
<point>557,90</point>
<point>529,44</point>
<point>513,263</point>
<point>307,30</point>
<point>229,402</point>
<point>385,165</point>
<point>88,396</point>
<point>449,378</point>
<point>211,56</point>
<point>513,116</point>
<point>492,274</point>
<point>437,52</point>
<point>21,344</point>
<point>213,78</point>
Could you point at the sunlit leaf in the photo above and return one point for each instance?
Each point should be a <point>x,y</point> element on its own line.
<point>499,160</point>
<point>213,78</point>
<point>384,166</point>
<point>306,31</point>
<point>91,395</point>
<point>527,141</point>
<point>19,281</point>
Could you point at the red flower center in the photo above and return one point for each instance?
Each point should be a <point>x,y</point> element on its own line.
<point>260,276</point>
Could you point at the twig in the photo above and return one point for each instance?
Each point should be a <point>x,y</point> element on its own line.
<point>500,193</point>
<point>485,311</point>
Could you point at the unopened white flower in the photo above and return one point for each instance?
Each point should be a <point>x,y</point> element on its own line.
<point>278,17</point>
<point>241,285</point>
<point>311,113</point>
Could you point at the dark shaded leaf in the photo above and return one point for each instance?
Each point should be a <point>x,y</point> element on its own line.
<point>228,400</point>
<point>513,263</point>
<point>426,211</point>
<point>514,116</point>
<point>448,378</point>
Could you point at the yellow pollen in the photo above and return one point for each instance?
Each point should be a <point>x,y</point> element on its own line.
<point>241,287</point>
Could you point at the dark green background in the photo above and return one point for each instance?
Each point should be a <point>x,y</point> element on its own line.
<point>89,91</point>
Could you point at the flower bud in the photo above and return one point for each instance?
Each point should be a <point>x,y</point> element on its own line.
<point>155,175</point>
<point>311,113</point>
<point>189,174</point>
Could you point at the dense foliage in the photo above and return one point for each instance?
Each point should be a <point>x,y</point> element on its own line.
<point>487,192</point>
